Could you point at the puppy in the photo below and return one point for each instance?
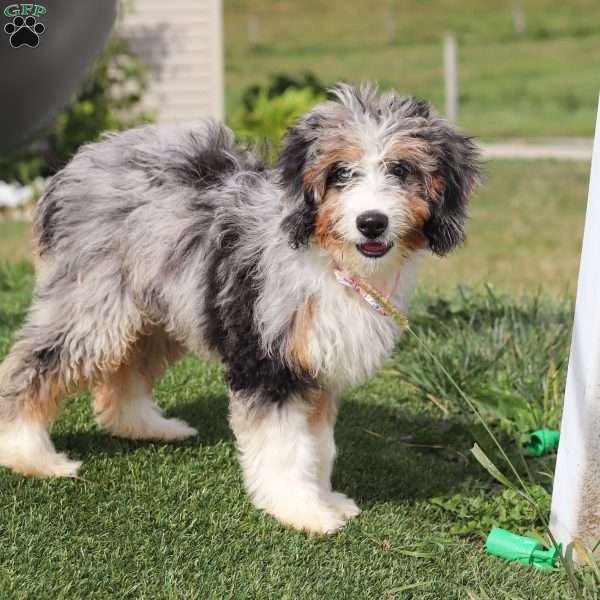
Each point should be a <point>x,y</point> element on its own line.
<point>165,239</point>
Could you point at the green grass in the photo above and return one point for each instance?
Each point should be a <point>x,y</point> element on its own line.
<point>172,521</point>
<point>525,230</point>
<point>15,240</point>
<point>542,84</point>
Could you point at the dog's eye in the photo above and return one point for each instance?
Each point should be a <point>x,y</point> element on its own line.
<point>339,175</point>
<point>401,170</point>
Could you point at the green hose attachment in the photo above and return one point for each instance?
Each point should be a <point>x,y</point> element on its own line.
<point>542,441</point>
<point>528,551</point>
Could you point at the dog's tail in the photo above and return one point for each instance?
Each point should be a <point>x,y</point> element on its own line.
<point>208,155</point>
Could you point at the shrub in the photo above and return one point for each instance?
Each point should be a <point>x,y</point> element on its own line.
<point>279,84</point>
<point>268,111</point>
<point>270,118</point>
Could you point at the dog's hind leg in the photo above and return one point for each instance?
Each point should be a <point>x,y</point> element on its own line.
<point>123,402</point>
<point>33,380</point>
<point>77,328</point>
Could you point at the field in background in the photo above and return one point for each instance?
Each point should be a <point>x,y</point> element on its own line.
<point>15,240</point>
<point>525,229</point>
<point>524,233</point>
<point>539,84</point>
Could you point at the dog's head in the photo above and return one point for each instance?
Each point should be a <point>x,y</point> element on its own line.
<point>375,177</point>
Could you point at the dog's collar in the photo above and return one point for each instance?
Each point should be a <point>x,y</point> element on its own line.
<point>373,297</point>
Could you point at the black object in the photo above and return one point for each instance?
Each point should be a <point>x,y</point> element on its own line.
<point>372,223</point>
<point>46,49</point>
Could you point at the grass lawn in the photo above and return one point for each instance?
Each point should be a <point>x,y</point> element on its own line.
<point>544,83</point>
<point>172,521</point>
<point>525,230</point>
<point>15,240</point>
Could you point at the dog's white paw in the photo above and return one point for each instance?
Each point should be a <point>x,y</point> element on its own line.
<point>323,514</point>
<point>57,466</point>
<point>141,419</point>
<point>44,467</point>
<point>316,517</point>
<point>170,430</point>
<point>26,448</point>
<point>346,506</point>
<point>155,428</point>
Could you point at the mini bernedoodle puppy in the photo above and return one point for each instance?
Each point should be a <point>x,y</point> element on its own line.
<point>165,239</point>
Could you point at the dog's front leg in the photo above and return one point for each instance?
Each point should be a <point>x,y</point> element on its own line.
<point>287,453</point>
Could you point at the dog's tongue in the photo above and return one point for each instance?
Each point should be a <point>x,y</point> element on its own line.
<point>373,247</point>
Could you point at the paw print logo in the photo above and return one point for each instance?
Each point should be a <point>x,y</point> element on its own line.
<point>24,32</point>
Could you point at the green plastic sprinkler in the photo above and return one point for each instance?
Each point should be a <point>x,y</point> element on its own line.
<point>542,441</point>
<point>528,551</point>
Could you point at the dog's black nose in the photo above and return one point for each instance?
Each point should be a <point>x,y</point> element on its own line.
<point>372,223</point>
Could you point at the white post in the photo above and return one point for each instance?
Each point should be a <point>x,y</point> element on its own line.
<point>451,77</point>
<point>519,16</point>
<point>253,30</point>
<point>576,495</point>
<point>390,23</point>
<point>217,66</point>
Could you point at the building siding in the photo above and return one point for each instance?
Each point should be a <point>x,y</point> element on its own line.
<point>181,42</point>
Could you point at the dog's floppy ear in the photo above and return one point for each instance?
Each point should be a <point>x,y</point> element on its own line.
<point>299,223</point>
<point>456,177</point>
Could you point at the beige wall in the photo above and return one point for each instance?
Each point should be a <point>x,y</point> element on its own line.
<point>181,41</point>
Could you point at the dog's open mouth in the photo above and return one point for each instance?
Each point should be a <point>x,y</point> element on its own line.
<point>374,249</point>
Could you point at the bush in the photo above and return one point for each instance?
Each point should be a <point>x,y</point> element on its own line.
<point>269,119</point>
<point>107,100</point>
<point>270,110</point>
<point>279,84</point>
